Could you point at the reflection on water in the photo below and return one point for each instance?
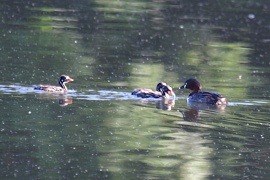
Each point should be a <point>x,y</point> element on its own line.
<point>101,134</point>
<point>112,47</point>
<point>165,104</point>
<point>160,153</point>
<point>162,103</point>
<point>190,114</point>
<point>64,101</point>
<point>193,114</point>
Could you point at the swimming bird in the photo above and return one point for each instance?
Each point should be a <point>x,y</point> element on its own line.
<point>162,90</point>
<point>197,95</point>
<point>56,89</point>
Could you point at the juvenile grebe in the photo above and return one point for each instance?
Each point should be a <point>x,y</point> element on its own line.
<point>62,89</point>
<point>162,90</point>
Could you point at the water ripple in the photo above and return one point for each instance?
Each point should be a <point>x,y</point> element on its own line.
<point>103,95</point>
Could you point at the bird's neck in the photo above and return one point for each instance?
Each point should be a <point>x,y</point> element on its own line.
<point>62,84</point>
<point>194,91</point>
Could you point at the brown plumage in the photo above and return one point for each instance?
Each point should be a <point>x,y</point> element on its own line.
<point>162,90</point>
<point>57,89</point>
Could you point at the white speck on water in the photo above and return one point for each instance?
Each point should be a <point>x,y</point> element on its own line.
<point>29,112</point>
<point>75,42</point>
<point>251,16</point>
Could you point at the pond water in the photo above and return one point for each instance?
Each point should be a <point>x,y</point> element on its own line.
<point>98,130</point>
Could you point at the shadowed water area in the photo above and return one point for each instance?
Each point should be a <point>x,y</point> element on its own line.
<point>98,130</point>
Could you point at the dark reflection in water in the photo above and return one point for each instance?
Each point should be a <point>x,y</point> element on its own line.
<point>190,114</point>
<point>98,130</point>
<point>193,112</point>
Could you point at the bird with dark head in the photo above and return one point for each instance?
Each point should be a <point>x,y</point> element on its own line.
<point>197,95</point>
<point>56,89</point>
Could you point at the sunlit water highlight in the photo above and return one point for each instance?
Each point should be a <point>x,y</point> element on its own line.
<point>103,95</point>
<point>103,132</point>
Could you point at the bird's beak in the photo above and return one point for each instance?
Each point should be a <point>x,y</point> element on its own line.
<point>182,87</point>
<point>171,93</point>
<point>70,80</point>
